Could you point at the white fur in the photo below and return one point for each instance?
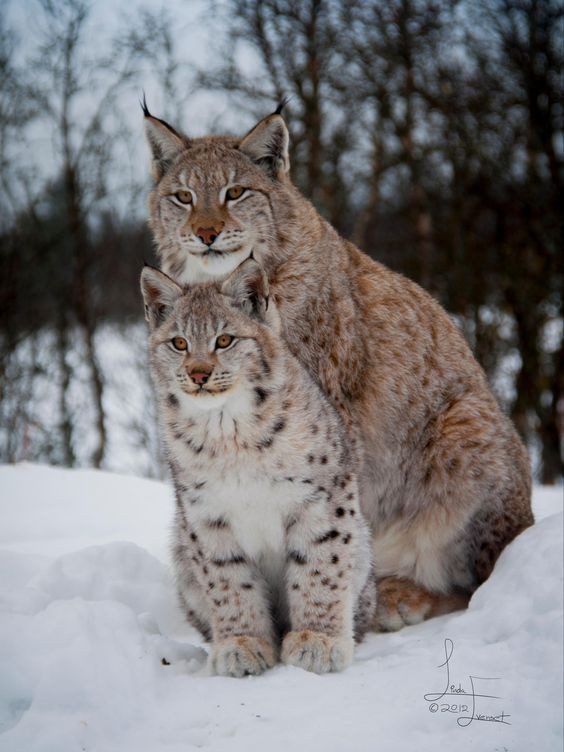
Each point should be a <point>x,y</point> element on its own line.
<point>255,506</point>
<point>195,405</point>
<point>215,412</point>
<point>203,267</point>
<point>412,554</point>
<point>256,510</point>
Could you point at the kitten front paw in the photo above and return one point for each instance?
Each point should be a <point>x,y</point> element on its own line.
<point>317,652</point>
<point>242,656</point>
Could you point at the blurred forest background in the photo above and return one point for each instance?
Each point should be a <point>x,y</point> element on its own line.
<point>428,131</point>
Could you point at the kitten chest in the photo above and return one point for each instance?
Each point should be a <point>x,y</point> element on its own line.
<point>256,510</point>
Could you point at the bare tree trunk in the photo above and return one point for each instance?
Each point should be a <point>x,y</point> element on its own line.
<point>88,331</point>
<point>65,415</point>
<point>83,305</point>
<point>370,210</point>
<point>419,210</point>
<point>552,423</point>
<point>312,105</point>
<point>525,382</point>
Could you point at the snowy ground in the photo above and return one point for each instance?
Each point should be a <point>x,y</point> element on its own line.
<point>87,613</point>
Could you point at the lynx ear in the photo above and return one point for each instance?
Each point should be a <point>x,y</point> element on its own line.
<point>159,294</point>
<point>267,145</point>
<point>248,287</point>
<point>165,143</point>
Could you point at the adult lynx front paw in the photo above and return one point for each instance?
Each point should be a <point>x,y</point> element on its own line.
<point>403,603</point>
<point>317,652</point>
<point>242,656</point>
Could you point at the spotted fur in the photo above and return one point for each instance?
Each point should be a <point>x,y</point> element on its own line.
<point>270,543</point>
<point>444,478</point>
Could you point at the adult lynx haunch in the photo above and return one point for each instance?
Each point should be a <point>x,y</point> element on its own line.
<point>445,481</point>
<point>269,541</point>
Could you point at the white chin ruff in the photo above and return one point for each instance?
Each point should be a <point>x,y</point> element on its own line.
<point>204,402</point>
<point>207,267</point>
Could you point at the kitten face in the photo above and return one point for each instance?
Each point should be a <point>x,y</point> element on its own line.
<point>207,352</point>
<point>212,206</point>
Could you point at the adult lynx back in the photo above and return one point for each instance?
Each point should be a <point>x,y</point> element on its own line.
<point>444,477</point>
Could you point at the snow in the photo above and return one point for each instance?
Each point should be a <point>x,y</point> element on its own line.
<point>88,613</point>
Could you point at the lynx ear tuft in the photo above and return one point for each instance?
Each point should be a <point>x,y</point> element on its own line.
<point>144,107</point>
<point>248,287</point>
<point>267,145</point>
<point>165,143</point>
<point>160,292</point>
<point>281,104</point>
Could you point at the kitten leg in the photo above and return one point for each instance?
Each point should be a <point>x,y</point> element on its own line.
<point>242,655</point>
<point>191,594</point>
<point>321,583</point>
<point>402,602</point>
<point>242,634</point>
<point>365,608</point>
<point>194,603</point>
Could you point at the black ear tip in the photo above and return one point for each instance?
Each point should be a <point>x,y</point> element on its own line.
<point>143,103</point>
<point>283,102</point>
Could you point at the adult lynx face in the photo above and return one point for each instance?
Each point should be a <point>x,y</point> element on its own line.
<point>211,208</point>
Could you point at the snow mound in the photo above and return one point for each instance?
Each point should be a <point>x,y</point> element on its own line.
<point>95,655</point>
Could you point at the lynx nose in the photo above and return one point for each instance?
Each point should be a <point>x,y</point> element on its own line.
<point>200,375</point>
<point>207,234</point>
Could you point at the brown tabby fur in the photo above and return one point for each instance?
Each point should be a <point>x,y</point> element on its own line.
<point>444,478</point>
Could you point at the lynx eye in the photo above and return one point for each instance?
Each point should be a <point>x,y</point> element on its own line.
<point>235,192</point>
<point>223,341</point>
<point>185,197</point>
<point>179,343</point>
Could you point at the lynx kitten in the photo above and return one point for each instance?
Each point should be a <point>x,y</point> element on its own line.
<point>269,540</point>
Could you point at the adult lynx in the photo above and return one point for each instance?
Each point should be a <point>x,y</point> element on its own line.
<point>269,541</point>
<point>445,481</point>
